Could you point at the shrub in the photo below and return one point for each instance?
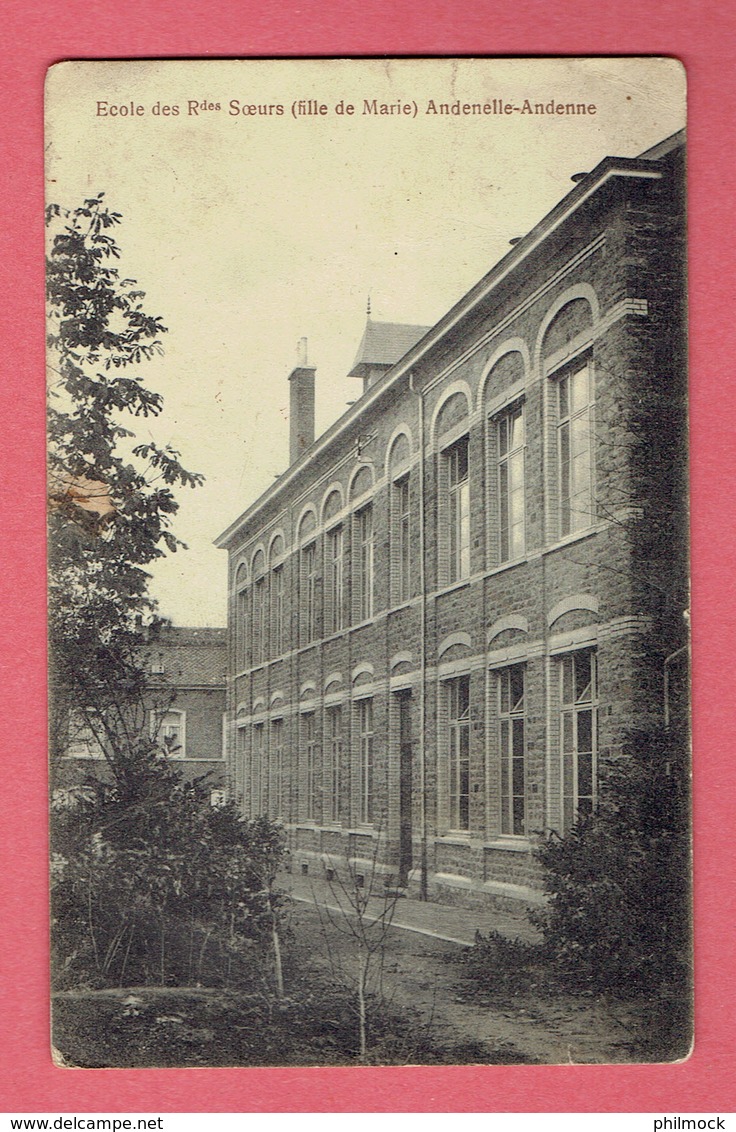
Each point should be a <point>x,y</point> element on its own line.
<point>619,910</point>
<point>151,884</point>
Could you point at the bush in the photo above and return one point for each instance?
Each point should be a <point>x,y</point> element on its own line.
<point>619,909</point>
<point>152,884</point>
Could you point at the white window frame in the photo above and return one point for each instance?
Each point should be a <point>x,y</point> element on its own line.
<point>159,726</point>
<point>308,596</point>
<point>457,489</point>
<point>401,538</point>
<point>308,737</point>
<point>335,571</point>
<point>458,732</point>
<point>364,543</point>
<point>258,780</point>
<point>260,619</point>
<point>512,749</point>
<point>511,449</point>
<point>277,609</point>
<point>366,767</point>
<point>276,768</point>
<point>333,750</point>
<point>575,449</point>
<point>575,706</point>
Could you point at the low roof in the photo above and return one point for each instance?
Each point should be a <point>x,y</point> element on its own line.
<point>384,343</point>
<point>191,656</point>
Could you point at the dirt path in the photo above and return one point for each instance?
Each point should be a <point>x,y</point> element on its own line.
<point>418,973</point>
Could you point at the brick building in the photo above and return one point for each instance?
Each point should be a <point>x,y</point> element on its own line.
<point>184,708</point>
<point>450,609</point>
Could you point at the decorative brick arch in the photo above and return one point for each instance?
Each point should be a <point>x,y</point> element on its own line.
<point>304,529</point>
<point>333,682</point>
<point>274,554</point>
<point>453,640</point>
<point>362,669</point>
<point>258,561</point>
<point>242,574</point>
<point>457,387</point>
<point>513,621</point>
<point>578,291</point>
<point>364,466</point>
<point>334,491</point>
<point>510,346</point>
<point>394,465</point>
<point>571,604</point>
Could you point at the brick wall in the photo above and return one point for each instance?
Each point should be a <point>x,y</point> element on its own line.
<point>601,295</point>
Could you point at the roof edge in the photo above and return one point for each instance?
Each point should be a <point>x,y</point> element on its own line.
<point>606,169</point>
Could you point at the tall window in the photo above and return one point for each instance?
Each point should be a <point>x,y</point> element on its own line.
<point>511,483</point>
<point>364,563</point>
<point>309,754</point>
<point>578,730</point>
<point>277,611</point>
<point>400,550</point>
<point>334,551</point>
<point>458,748</point>
<point>574,443</point>
<point>241,758</point>
<point>511,748</point>
<point>260,618</point>
<point>258,783</point>
<point>309,593</point>
<point>365,761</point>
<point>458,510</point>
<point>241,619</point>
<point>333,763</point>
<point>276,768</point>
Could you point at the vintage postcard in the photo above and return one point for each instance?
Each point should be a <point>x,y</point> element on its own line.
<point>368,562</point>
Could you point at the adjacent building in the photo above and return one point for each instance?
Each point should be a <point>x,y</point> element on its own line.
<point>184,709</point>
<point>450,610</point>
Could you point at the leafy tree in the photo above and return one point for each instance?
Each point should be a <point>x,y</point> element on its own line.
<point>111,499</point>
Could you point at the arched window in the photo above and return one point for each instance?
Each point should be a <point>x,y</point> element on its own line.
<point>569,368</point>
<point>400,520</point>
<point>454,490</point>
<point>277,595</point>
<point>241,617</point>
<point>334,550</point>
<point>506,457</point>
<point>308,578</point>
<point>362,547</point>
<point>578,675</point>
<point>260,608</point>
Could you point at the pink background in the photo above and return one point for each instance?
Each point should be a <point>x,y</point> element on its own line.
<point>39,32</point>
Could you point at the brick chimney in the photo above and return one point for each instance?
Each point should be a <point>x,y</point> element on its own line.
<point>301,404</point>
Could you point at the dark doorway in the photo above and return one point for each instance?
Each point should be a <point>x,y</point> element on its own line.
<point>405,786</point>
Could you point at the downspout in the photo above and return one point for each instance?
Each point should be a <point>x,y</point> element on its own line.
<point>423,655</point>
<point>666,667</point>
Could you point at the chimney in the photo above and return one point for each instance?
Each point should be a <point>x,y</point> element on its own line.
<point>301,404</point>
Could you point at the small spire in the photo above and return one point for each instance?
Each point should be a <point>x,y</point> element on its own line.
<point>368,307</point>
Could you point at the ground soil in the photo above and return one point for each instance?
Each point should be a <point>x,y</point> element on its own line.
<point>429,1010</point>
<point>423,975</point>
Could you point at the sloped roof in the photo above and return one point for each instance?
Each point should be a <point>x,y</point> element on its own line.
<point>190,656</point>
<point>384,343</point>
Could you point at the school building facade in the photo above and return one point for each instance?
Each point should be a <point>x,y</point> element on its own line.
<point>454,605</point>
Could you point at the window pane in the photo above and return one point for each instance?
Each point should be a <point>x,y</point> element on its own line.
<point>582,663</point>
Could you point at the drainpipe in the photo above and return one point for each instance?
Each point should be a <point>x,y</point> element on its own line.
<point>423,655</point>
<point>666,666</point>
